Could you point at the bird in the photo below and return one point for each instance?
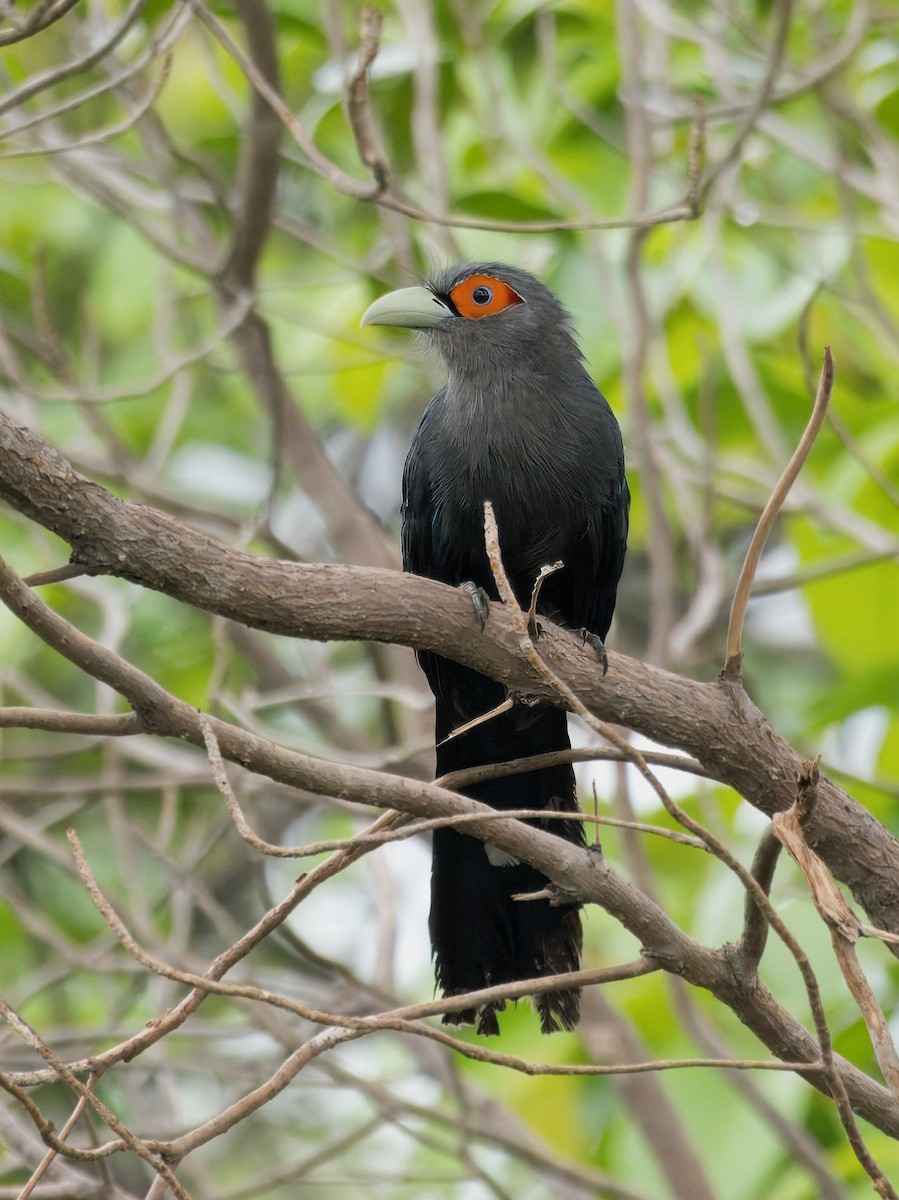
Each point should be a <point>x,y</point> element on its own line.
<point>520,423</point>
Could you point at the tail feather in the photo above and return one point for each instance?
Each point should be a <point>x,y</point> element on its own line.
<point>480,935</point>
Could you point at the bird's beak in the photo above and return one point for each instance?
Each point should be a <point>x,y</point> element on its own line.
<point>410,308</point>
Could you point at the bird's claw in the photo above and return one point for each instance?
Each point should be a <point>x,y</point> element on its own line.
<point>597,643</point>
<point>535,629</point>
<point>479,599</point>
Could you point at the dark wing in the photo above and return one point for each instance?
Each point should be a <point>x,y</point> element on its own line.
<point>598,566</point>
<point>418,502</point>
<point>419,555</point>
<point>582,594</point>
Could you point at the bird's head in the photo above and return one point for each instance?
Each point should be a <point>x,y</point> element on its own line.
<point>480,313</point>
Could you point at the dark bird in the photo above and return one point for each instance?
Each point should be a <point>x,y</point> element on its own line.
<point>520,423</point>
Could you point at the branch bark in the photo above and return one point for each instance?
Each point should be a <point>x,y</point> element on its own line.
<point>716,722</point>
<point>576,871</point>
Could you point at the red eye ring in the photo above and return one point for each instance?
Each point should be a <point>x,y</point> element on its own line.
<point>483,296</point>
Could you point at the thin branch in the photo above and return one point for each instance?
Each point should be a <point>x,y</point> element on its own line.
<point>61,1071</point>
<point>319,162</point>
<point>348,185</point>
<point>715,723</point>
<point>387,831</point>
<point>403,1017</point>
<point>755,922</point>
<point>40,18</point>
<point>732,666</point>
<point>140,107</point>
<point>123,725</point>
<point>534,762</point>
<point>760,101</point>
<point>52,1154</point>
<point>836,1084</point>
<point>840,920</point>
<point>39,83</point>
<point>232,318</point>
<point>161,43</point>
<point>357,98</point>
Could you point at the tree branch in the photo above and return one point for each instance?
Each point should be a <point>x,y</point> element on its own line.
<point>578,870</point>
<point>715,722</point>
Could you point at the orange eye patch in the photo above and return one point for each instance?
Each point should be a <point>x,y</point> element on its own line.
<point>483,296</point>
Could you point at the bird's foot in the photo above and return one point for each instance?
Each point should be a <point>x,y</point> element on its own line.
<point>535,629</point>
<point>479,599</point>
<point>597,643</point>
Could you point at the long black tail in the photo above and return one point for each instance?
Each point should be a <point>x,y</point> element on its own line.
<point>480,935</point>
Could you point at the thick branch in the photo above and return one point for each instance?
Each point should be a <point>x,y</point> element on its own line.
<point>715,722</point>
<point>576,870</point>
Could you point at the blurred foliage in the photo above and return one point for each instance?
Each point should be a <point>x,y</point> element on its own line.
<point>116,220</point>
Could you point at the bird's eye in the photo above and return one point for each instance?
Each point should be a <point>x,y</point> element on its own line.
<point>483,296</point>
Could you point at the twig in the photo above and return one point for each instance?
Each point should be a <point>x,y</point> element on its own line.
<point>401,827</point>
<point>348,185</point>
<point>760,100</point>
<point>567,865</point>
<point>733,662</point>
<point>122,725</point>
<point>542,574</point>
<point>357,100</point>
<point>39,83</point>
<point>476,721</point>
<point>141,107</point>
<point>841,922</point>
<point>41,17</point>
<point>57,575</point>
<point>61,1071</point>
<point>233,317</point>
<point>159,45</point>
<point>755,923</point>
<point>407,1013</point>
<point>402,1018</point>
<point>51,1155</point>
<point>835,1081</point>
<point>359,188</point>
<point>534,762</point>
<point>385,829</point>
<point>44,1127</point>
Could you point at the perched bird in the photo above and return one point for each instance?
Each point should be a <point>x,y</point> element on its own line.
<point>520,423</point>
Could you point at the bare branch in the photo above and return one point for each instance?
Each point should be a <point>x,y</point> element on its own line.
<point>842,923</point>
<point>714,722</point>
<point>732,666</point>
<point>41,17</point>
<point>78,66</point>
<point>357,99</point>
<point>86,1091</point>
<point>570,867</point>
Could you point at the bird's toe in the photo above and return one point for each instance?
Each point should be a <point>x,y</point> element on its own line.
<point>597,643</point>
<point>479,599</point>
